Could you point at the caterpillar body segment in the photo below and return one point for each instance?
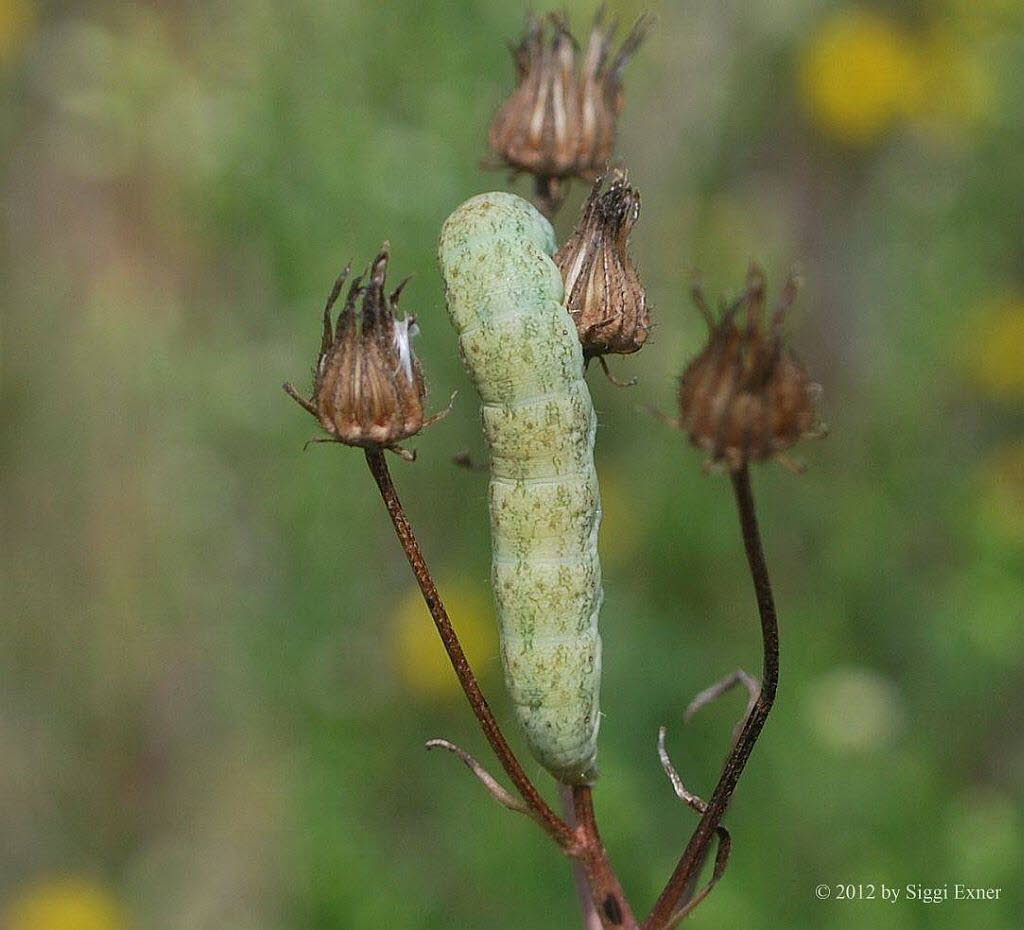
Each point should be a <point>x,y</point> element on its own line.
<point>520,346</point>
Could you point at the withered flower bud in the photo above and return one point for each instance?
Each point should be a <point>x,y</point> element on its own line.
<point>603,292</point>
<point>368,389</point>
<point>746,398</point>
<point>560,120</point>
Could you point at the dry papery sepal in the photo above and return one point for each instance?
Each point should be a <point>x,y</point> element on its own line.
<point>368,387</point>
<point>561,119</point>
<point>603,291</point>
<point>746,397</point>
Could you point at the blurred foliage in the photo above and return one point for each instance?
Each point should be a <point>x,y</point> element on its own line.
<point>206,703</point>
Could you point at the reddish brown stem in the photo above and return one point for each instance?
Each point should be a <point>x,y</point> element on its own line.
<point>591,919</point>
<point>558,829</point>
<point>680,885</point>
<point>605,891</point>
<point>550,192</point>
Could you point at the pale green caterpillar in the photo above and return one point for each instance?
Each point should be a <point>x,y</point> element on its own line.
<point>521,349</point>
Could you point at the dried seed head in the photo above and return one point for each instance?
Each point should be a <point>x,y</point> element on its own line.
<point>560,120</point>
<point>368,388</point>
<point>603,292</point>
<point>746,398</point>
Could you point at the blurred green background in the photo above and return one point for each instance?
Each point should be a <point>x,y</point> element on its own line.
<point>216,677</point>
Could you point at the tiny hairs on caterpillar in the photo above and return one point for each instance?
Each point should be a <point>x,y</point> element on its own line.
<point>520,346</point>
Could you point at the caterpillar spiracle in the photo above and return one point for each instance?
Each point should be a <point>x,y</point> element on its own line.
<point>519,344</point>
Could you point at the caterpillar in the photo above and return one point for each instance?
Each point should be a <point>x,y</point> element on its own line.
<point>520,347</point>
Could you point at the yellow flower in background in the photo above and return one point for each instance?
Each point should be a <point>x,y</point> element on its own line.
<point>860,74</point>
<point>422,663</point>
<point>17,17</point>
<point>996,348</point>
<point>64,904</point>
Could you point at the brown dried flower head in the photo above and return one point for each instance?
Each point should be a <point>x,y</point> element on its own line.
<point>368,389</point>
<point>603,292</point>
<point>746,398</point>
<point>560,120</point>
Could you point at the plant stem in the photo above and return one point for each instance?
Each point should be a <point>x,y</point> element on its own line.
<point>666,908</point>
<point>609,901</point>
<point>557,828</point>
<point>549,194</point>
<point>591,919</point>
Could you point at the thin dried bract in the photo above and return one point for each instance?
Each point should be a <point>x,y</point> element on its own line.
<point>368,388</point>
<point>560,120</point>
<point>746,398</point>
<point>603,292</point>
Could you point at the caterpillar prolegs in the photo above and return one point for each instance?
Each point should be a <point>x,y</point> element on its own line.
<point>520,346</point>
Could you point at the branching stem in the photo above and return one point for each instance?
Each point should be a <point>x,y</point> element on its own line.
<point>581,838</point>
<point>667,908</point>
<point>606,893</point>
